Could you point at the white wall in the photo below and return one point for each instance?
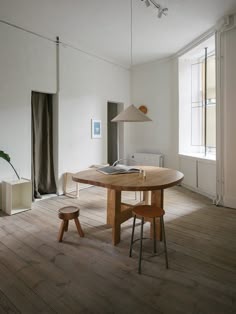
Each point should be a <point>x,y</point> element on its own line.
<point>184,106</point>
<point>156,85</point>
<point>228,131</point>
<point>27,63</point>
<point>86,85</point>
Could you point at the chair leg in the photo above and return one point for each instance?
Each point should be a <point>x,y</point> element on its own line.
<point>66,225</point>
<point>78,226</point>
<point>154,236</point>
<point>132,237</point>
<point>164,239</point>
<point>141,246</point>
<point>61,231</point>
<point>161,232</point>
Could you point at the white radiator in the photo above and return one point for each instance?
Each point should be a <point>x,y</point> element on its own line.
<point>146,159</point>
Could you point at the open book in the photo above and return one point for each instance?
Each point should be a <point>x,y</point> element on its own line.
<point>118,169</point>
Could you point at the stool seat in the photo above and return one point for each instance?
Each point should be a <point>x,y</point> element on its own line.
<point>148,211</point>
<point>68,213</point>
<point>152,212</point>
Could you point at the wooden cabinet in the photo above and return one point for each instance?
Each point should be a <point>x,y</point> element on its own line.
<point>16,196</point>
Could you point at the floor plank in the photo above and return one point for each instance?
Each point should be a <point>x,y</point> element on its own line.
<point>89,275</point>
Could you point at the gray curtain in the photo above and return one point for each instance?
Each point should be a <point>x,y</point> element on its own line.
<point>43,177</point>
<point>112,151</point>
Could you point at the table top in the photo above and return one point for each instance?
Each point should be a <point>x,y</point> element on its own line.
<point>157,178</point>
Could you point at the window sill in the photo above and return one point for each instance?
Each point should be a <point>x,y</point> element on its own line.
<point>199,156</point>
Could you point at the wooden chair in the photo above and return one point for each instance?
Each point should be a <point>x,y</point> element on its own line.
<point>148,212</point>
<point>70,188</point>
<point>68,213</point>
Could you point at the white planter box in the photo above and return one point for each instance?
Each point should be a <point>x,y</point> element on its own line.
<point>16,196</point>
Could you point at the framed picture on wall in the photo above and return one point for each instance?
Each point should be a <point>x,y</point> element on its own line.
<point>96,129</point>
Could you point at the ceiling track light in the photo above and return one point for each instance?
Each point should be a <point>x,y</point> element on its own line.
<point>161,10</point>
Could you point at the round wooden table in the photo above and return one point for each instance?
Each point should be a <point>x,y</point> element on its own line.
<point>153,184</point>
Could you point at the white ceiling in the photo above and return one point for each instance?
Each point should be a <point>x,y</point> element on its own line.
<point>103,27</point>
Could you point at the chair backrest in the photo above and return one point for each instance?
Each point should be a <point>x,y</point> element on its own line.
<point>125,161</point>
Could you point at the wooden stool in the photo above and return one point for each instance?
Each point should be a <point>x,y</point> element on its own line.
<point>67,213</point>
<point>151,212</point>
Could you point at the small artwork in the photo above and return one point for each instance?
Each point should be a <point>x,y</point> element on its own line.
<point>96,129</point>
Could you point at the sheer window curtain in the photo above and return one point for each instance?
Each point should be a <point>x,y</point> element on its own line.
<point>43,177</point>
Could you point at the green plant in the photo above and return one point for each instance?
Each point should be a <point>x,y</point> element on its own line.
<point>8,159</point>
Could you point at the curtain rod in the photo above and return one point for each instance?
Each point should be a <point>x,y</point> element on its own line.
<point>57,41</point>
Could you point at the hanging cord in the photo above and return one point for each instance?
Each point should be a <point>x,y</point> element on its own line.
<point>27,31</point>
<point>131,33</point>
<point>64,44</point>
<point>205,101</point>
<point>155,4</point>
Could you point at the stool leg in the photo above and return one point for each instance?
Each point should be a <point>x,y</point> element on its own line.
<point>141,246</point>
<point>161,233</point>
<point>164,238</point>
<point>61,231</point>
<point>132,237</point>
<point>78,226</point>
<point>66,225</point>
<point>154,236</point>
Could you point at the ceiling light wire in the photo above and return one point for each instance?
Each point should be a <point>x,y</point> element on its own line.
<point>155,4</point>
<point>131,34</point>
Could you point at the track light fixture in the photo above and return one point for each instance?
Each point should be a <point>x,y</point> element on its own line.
<point>161,10</point>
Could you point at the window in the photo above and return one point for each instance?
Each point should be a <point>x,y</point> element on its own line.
<point>197,101</point>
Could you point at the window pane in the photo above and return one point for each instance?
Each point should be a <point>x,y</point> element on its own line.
<point>211,126</point>
<point>197,114</point>
<point>211,82</point>
<point>197,126</point>
<point>196,95</point>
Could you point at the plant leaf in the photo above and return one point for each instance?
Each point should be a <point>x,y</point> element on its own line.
<point>5,156</point>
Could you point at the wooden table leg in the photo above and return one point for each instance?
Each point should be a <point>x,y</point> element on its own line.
<point>157,200</point>
<point>146,197</point>
<point>114,213</point>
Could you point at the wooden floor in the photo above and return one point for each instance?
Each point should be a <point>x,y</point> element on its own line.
<point>89,275</point>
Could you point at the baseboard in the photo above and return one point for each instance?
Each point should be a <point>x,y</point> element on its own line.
<point>196,190</point>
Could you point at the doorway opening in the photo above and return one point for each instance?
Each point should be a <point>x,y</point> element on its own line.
<point>115,133</point>
<point>43,176</point>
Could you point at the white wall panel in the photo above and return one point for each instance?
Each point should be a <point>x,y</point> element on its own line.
<point>199,175</point>
<point>228,51</point>
<point>188,166</point>
<point>207,176</point>
<point>156,85</point>
<point>27,63</point>
<point>86,85</point>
